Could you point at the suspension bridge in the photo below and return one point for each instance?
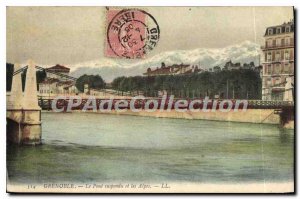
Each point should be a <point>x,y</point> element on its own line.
<point>24,108</point>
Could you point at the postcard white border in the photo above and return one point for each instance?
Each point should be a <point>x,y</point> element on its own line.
<point>5,3</point>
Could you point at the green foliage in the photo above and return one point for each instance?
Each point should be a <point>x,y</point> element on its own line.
<point>241,84</point>
<point>94,81</point>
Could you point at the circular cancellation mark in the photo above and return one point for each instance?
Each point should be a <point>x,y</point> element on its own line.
<point>132,33</point>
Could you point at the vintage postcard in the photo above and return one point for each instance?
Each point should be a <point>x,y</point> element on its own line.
<point>150,99</point>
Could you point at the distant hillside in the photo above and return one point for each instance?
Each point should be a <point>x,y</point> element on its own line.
<point>111,68</point>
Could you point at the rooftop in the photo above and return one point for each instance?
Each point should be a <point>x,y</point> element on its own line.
<point>55,80</point>
<point>165,70</point>
<point>59,68</point>
<point>286,27</point>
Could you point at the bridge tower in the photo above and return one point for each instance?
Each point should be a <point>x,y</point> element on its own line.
<point>23,111</point>
<point>16,89</point>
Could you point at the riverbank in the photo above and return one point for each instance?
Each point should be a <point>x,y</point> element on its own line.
<point>257,116</point>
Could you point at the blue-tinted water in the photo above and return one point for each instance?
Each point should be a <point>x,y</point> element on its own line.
<point>89,147</point>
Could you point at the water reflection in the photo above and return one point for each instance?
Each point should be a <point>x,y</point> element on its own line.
<point>284,135</point>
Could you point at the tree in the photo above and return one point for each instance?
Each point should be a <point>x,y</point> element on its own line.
<point>243,83</point>
<point>93,81</point>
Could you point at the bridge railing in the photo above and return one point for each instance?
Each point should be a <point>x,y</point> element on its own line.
<point>46,104</point>
<point>269,104</point>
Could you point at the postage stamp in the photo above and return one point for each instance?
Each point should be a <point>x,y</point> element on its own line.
<point>131,33</point>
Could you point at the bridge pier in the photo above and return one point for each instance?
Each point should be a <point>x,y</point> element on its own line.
<point>31,127</point>
<point>23,112</point>
<point>287,117</point>
<point>13,131</point>
<point>24,127</point>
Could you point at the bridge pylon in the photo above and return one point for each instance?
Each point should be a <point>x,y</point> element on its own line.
<point>30,101</point>
<point>16,95</point>
<point>24,114</point>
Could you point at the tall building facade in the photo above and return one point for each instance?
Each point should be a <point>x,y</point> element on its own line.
<point>278,64</point>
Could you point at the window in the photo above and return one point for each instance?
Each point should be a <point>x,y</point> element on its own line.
<point>277,96</point>
<point>277,69</point>
<point>287,29</point>
<point>291,41</point>
<point>269,57</point>
<point>270,31</point>
<point>268,81</point>
<point>286,68</point>
<point>287,40</point>
<point>291,68</point>
<point>291,54</point>
<point>278,31</point>
<point>265,82</point>
<point>269,69</point>
<point>277,42</point>
<point>277,58</point>
<point>286,55</point>
<point>266,56</point>
<point>270,42</point>
<point>266,69</point>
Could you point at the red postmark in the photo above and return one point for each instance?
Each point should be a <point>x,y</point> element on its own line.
<point>131,33</point>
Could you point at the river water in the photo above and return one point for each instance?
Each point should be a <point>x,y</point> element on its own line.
<point>91,147</point>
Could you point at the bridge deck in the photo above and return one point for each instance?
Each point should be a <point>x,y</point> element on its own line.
<point>46,104</point>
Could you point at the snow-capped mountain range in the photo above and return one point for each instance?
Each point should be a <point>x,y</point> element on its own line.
<point>108,68</point>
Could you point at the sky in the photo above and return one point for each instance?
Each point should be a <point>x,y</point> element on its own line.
<point>72,35</point>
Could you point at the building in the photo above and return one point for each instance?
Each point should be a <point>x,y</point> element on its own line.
<point>178,69</point>
<point>57,83</point>
<point>278,64</point>
<point>175,69</point>
<point>232,66</point>
<point>229,66</point>
<point>54,71</point>
<point>53,87</point>
<point>250,66</point>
